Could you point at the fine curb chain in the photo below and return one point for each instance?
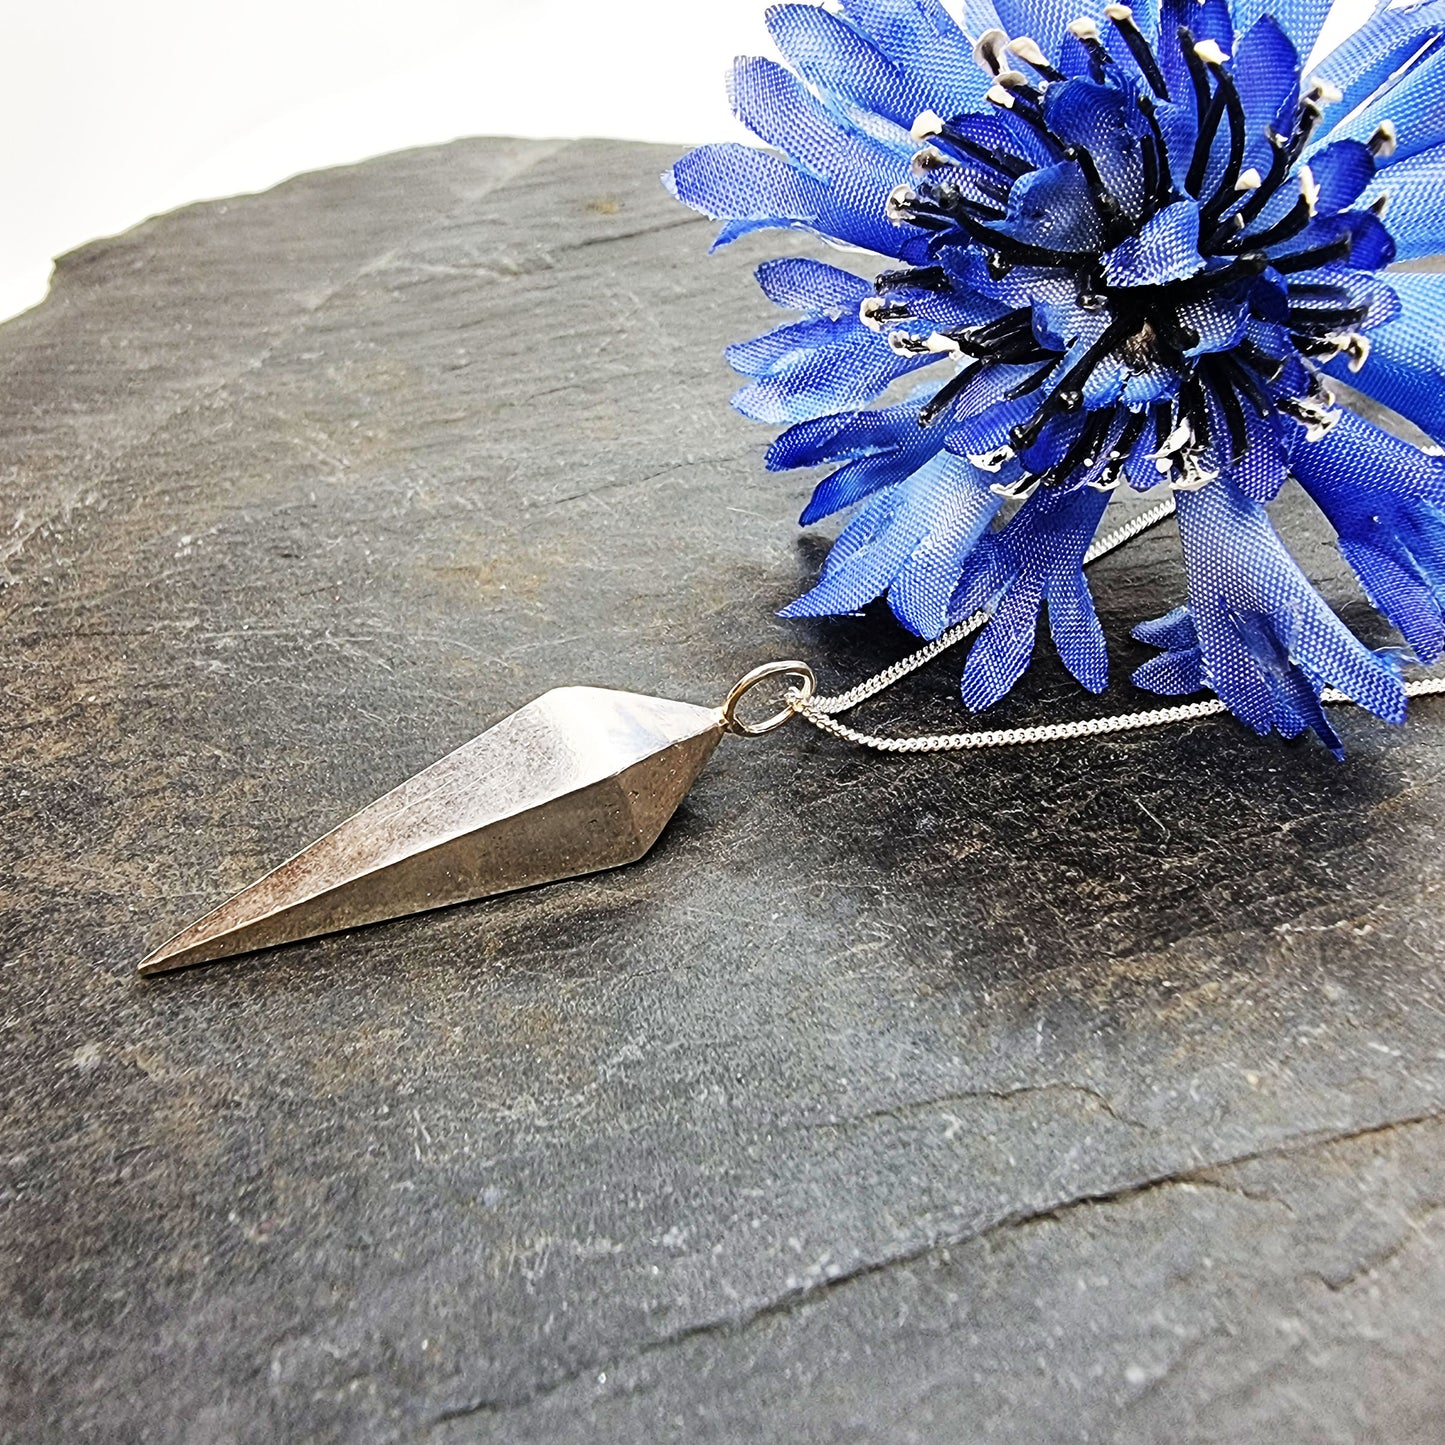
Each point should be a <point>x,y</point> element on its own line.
<point>820,711</point>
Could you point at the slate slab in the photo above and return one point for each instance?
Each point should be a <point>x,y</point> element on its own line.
<point>1083,1094</point>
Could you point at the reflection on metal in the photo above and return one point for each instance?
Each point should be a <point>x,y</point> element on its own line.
<point>579,780</point>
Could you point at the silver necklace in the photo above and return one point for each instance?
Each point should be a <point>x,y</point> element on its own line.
<point>579,780</point>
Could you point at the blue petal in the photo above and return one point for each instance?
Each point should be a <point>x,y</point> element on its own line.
<point>920,37</point>
<point>1405,369</point>
<point>1179,669</point>
<point>1165,249</point>
<point>1005,132</point>
<point>1416,211</point>
<point>834,56</point>
<point>1363,62</point>
<point>1207,20</point>
<point>920,595</point>
<point>1046,21</point>
<point>802,284</point>
<point>844,436</point>
<point>1262,471</point>
<point>775,105</point>
<point>1372,246</point>
<point>878,449</point>
<point>1054,208</point>
<point>1174,630</point>
<point>986,431</point>
<point>814,367</point>
<point>1300,20</point>
<point>1384,498</point>
<point>1267,637</point>
<point>1097,118</point>
<point>1266,74</point>
<point>1414,105</point>
<point>1342,170</point>
<point>1037,557</point>
<point>979,16</point>
<point>941,504</point>
<point>754,190</point>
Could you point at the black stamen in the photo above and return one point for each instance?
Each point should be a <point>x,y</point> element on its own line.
<point>924,278</point>
<point>1225,192</point>
<point>1150,158</point>
<point>1269,367</point>
<point>1010,324</point>
<point>1279,164</point>
<point>1161,151</point>
<point>1082,450</point>
<point>1230,406</point>
<point>1195,409</point>
<point>1105,201</point>
<point>1318,256</point>
<point>948,393</point>
<point>1247,382</point>
<point>1163,423</point>
<point>1204,142</point>
<point>1198,77</point>
<point>1033,381</point>
<point>1068,395</point>
<point>1004,162</point>
<point>1020,252</point>
<point>1314,318</point>
<point>1143,55</point>
<point>1129,437</point>
<point>1318,291</point>
<point>1285,229</point>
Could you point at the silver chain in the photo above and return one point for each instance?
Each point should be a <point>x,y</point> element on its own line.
<point>821,711</point>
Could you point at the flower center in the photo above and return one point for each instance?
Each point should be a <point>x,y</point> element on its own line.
<point>1158,274</point>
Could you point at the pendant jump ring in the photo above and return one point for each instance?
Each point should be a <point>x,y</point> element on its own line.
<point>806,685</point>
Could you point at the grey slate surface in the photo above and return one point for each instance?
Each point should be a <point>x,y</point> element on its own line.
<point>1084,1094</point>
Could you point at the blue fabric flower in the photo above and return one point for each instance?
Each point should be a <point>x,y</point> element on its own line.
<point>1140,241</point>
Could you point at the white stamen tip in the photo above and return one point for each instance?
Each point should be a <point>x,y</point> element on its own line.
<point>929,159</point>
<point>989,50</point>
<point>997,95</point>
<point>928,125</point>
<point>1380,204</point>
<point>1249,180</point>
<point>900,202</point>
<point>868,309</point>
<point>1382,142</point>
<point>991,461</point>
<point>1119,14</point>
<point>1324,92</point>
<point>1027,49</point>
<point>1210,53</point>
<point>1179,437</point>
<point>1357,348</point>
<point>938,342</point>
<point>1020,491</point>
<point>904,343</point>
<point>1309,188</point>
<point>1083,29</point>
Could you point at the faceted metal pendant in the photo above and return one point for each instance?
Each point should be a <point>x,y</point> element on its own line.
<point>582,779</point>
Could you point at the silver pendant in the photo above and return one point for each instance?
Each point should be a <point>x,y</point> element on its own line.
<point>580,780</point>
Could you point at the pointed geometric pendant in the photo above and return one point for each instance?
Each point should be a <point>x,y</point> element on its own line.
<point>582,779</point>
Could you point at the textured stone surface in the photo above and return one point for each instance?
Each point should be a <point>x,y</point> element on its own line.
<point>1093,1093</point>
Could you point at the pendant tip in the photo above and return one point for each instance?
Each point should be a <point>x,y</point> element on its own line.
<point>202,942</point>
<point>164,959</point>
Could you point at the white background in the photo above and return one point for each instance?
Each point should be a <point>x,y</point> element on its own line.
<point>114,110</point>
